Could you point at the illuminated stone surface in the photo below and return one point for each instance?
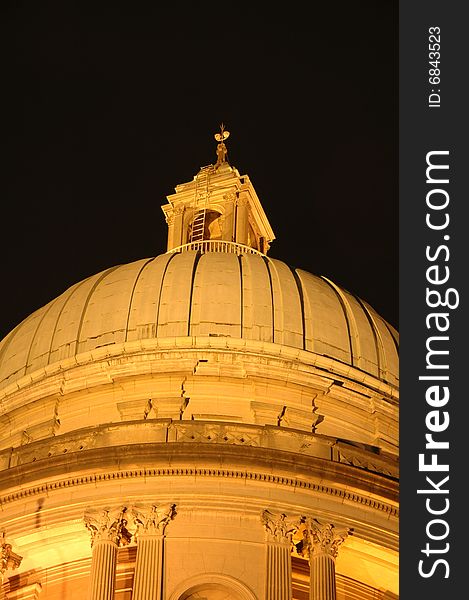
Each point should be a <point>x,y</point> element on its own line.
<point>247,399</point>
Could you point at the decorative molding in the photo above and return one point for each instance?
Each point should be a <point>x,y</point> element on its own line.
<point>26,592</point>
<point>322,538</point>
<point>278,527</point>
<point>108,526</point>
<point>154,520</point>
<point>139,418</point>
<point>363,463</point>
<point>199,472</point>
<point>213,433</point>
<point>8,558</point>
<point>61,375</point>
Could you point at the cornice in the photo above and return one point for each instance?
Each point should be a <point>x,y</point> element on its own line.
<point>258,465</point>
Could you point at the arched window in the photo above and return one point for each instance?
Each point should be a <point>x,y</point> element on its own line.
<point>206,225</point>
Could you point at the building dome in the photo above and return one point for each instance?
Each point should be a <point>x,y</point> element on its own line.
<point>208,423</point>
<point>242,295</point>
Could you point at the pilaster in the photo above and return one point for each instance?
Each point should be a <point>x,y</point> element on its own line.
<point>242,218</point>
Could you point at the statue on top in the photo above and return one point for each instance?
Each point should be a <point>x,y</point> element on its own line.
<point>222,152</point>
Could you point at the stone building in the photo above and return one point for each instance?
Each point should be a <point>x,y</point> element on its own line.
<point>207,424</point>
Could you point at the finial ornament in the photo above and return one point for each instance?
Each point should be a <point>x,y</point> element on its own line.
<point>221,148</point>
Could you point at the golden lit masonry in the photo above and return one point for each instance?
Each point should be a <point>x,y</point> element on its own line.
<point>206,424</point>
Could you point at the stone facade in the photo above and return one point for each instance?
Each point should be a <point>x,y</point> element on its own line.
<point>208,424</point>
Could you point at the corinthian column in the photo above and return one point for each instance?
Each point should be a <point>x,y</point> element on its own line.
<point>279,531</point>
<point>151,527</point>
<point>108,532</point>
<point>321,545</point>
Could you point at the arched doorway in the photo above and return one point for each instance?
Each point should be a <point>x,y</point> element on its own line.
<point>211,591</point>
<point>212,586</point>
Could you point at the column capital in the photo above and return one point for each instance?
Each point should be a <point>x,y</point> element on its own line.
<point>173,213</point>
<point>242,199</point>
<point>322,538</point>
<point>154,519</point>
<point>230,197</point>
<point>278,527</point>
<point>108,525</point>
<point>8,558</point>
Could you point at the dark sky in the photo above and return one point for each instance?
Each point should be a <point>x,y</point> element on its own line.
<point>107,109</point>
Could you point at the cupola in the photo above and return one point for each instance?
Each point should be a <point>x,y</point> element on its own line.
<point>218,210</point>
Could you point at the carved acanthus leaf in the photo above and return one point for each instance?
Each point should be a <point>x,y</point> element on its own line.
<point>8,558</point>
<point>153,520</point>
<point>108,526</point>
<point>278,527</point>
<point>230,197</point>
<point>322,538</point>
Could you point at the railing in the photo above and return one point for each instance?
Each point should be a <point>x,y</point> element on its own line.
<point>216,246</point>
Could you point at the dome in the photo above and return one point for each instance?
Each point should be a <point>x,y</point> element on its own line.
<point>208,406</point>
<point>243,295</point>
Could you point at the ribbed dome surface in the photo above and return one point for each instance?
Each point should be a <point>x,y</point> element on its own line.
<point>189,294</point>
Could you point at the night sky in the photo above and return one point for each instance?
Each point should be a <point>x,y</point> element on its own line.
<point>109,108</point>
